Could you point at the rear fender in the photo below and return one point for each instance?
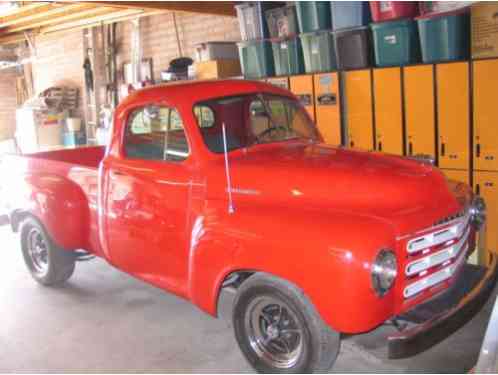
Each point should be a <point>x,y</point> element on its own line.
<point>57,202</point>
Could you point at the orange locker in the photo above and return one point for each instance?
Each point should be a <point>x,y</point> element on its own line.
<point>302,87</point>
<point>452,82</point>
<point>457,175</point>
<point>358,109</point>
<point>486,185</point>
<point>327,107</point>
<point>419,110</point>
<point>388,110</point>
<point>485,92</point>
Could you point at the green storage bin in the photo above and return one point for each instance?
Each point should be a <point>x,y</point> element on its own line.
<point>256,58</point>
<point>318,51</point>
<point>444,37</point>
<point>288,56</point>
<point>313,15</point>
<point>396,43</point>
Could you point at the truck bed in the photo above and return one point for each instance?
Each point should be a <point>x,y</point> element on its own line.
<point>84,156</point>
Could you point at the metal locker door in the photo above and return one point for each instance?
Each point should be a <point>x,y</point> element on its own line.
<point>452,82</point>
<point>485,92</point>
<point>358,109</point>
<point>388,110</point>
<point>486,185</point>
<point>302,87</point>
<point>327,107</point>
<point>457,175</point>
<point>419,110</point>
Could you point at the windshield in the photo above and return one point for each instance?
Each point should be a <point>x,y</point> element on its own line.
<point>252,119</point>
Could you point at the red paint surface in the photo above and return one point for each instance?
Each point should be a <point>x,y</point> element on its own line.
<point>313,214</point>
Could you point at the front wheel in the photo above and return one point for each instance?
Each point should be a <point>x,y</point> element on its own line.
<point>278,329</point>
<point>47,263</point>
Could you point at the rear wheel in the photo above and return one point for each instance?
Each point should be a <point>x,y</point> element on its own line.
<point>47,263</point>
<point>278,329</point>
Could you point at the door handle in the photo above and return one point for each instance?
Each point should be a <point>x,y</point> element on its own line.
<point>410,148</point>
<point>478,189</point>
<point>351,144</point>
<point>380,146</point>
<point>478,150</point>
<point>117,173</point>
<point>443,149</point>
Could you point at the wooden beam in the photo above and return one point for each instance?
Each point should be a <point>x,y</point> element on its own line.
<point>26,11</point>
<point>63,18</point>
<point>222,8</point>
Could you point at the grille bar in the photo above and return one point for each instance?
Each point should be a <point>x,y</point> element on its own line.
<point>437,258</point>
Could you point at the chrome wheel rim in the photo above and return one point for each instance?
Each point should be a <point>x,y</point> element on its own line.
<point>274,332</point>
<point>38,251</point>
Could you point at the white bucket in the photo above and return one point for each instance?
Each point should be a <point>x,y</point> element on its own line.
<point>73,124</point>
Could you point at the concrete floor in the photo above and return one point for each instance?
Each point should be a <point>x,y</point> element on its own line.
<point>103,320</point>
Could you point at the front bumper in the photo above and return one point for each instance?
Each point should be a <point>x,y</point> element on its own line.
<point>439,317</point>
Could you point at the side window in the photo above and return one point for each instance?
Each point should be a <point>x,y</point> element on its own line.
<point>155,133</point>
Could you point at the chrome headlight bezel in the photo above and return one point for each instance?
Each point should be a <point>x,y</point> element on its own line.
<point>384,271</point>
<point>477,212</point>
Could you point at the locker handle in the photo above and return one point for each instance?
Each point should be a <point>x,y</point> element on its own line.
<point>478,150</point>
<point>410,148</point>
<point>351,144</point>
<point>478,189</point>
<point>380,146</point>
<point>443,149</point>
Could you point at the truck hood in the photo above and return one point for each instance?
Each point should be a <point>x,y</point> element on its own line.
<point>404,191</point>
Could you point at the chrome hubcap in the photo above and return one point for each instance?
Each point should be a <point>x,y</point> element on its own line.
<point>38,251</point>
<point>274,332</point>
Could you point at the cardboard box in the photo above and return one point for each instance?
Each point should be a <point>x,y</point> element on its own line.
<point>484,21</point>
<point>217,69</point>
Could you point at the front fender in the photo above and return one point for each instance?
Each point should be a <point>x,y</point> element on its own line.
<point>326,254</point>
<point>57,202</point>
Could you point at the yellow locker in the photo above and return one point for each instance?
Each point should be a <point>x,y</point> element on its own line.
<point>327,107</point>
<point>358,109</point>
<point>457,175</point>
<point>486,184</point>
<point>388,110</point>
<point>302,87</point>
<point>419,110</point>
<point>282,82</point>
<point>485,93</point>
<point>453,115</point>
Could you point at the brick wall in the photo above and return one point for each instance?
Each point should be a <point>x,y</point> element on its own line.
<point>159,39</point>
<point>7,103</point>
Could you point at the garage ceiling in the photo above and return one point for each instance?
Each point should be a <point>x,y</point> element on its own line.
<point>53,16</point>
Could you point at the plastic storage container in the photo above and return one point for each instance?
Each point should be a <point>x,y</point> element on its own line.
<point>396,43</point>
<point>391,10</point>
<point>251,19</point>
<point>444,37</point>
<point>256,58</point>
<point>432,7</point>
<point>216,51</point>
<point>282,22</point>
<point>313,15</point>
<point>288,56</point>
<point>348,14</point>
<point>318,51</point>
<point>352,48</point>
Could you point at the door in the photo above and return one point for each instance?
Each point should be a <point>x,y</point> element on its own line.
<point>358,109</point>
<point>485,93</point>
<point>148,191</point>
<point>388,110</point>
<point>452,82</point>
<point>486,185</point>
<point>302,87</point>
<point>419,110</point>
<point>457,175</point>
<point>327,107</point>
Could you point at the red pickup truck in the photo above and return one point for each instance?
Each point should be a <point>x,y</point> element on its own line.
<point>207,185</point>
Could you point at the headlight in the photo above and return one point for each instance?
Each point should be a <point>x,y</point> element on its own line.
<point>384,271</point>
<point>478,211</point>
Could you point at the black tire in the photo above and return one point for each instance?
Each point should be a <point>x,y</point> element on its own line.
<point>312,345</point>
<point>51,265</point>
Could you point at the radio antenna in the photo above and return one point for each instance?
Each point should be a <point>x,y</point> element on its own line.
<point>231,209</point>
